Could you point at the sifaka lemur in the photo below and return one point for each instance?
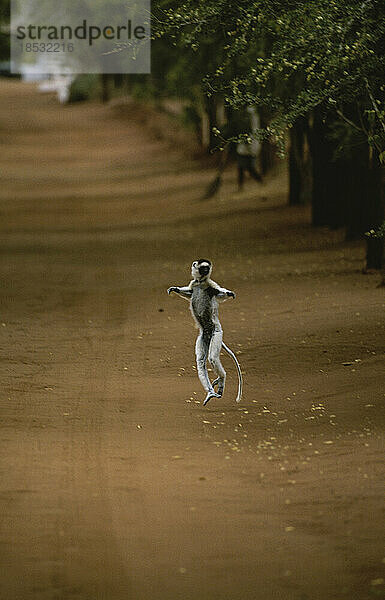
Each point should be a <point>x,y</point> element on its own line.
<point>204,295</point>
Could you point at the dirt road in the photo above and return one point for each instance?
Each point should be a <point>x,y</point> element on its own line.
<point>116,483</point>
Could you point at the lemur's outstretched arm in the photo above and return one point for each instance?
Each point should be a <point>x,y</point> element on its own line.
<point>183,291</point>
<point>186,291</point>
<point>222,293</point>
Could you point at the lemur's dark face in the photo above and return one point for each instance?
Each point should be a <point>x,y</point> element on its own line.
<point>201,269</point>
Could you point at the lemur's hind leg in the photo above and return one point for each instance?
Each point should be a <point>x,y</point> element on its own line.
<point>201,353</point>
<point>215,361</point>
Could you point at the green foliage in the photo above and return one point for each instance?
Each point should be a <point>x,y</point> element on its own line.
<point>379,233</point>
<point>290,56</point>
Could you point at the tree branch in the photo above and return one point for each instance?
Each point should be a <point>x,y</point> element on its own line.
<point>341,114</point>
<point>374,104</point>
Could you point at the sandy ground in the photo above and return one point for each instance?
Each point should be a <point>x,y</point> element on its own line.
<point>116,483</point>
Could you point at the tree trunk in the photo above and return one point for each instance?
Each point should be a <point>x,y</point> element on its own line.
<point>324,174</point>
<point>299,163</point>
<point>106,92</point>
<point>375,213</point>
<point>382,284</point>
<point>349,189</point>
<point>295,163</point>
<point>211,112</point>
<point>208,121</point>
<point>374,253</point>
<point>118,79</point>
<point>268,151</point>
<point>339,183</point>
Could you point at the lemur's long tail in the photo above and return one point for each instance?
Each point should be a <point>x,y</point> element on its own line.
<point>240,380</point>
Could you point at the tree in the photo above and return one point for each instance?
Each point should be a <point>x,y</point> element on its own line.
<point>4,34</point>
<point>318,59</point>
